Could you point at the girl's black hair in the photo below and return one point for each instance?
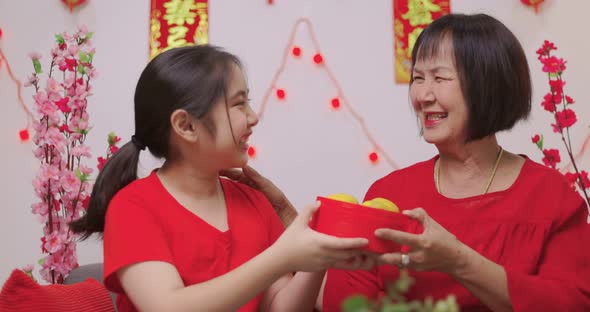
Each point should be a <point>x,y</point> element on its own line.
<point>191,78</point>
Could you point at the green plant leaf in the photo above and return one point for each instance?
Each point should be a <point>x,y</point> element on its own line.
<point>355,304</point>
<point>111,138</point>
<point>540,143</point>
<point>83,177</point>
<point>89,35</point>
<point>60,39</point>
<point>404,282</point>
<point>37,66</point>
<point>83,57</point>
<point>81,69</point>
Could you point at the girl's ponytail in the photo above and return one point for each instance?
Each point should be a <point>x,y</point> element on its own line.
<point>118,171</point>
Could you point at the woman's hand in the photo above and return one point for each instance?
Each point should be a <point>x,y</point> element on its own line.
<point>303,249</point>
<point>275,196</point>
<point>434,250</point>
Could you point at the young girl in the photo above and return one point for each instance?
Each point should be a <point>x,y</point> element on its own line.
<point>182,239</point>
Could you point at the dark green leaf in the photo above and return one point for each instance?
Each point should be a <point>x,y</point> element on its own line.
<point>355,304</point>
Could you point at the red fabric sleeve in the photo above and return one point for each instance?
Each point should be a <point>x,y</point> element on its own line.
<point>562,282</point>
<point>132,234</point>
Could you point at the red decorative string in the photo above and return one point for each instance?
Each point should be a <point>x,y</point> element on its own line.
<point>18,84</point>
<point>343,100</point>
<point>579,154</point>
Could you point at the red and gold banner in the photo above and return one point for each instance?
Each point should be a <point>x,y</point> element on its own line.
<point>410,18</point>
<point>176,23</point>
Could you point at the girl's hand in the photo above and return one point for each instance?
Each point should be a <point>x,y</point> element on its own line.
<point>434,250</point>
<point>275,196</point>
<point>303,249</point>
<point>364,261</point>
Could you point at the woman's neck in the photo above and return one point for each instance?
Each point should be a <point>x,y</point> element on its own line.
<point>464,169</point>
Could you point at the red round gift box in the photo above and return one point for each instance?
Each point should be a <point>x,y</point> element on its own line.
<point>342,219</point>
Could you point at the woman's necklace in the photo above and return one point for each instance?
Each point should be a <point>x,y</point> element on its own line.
<point>490,179</point>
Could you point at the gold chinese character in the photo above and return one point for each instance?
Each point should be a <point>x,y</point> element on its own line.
<point>420,12</point>
<point>412,37</point>
<point>179,12</point>
<point>177,36</point>
<point>201,33</point>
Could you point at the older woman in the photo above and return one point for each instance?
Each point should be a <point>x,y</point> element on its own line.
<point>501,232</point>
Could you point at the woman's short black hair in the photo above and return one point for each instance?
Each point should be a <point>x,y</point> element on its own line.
<point>492,68</point>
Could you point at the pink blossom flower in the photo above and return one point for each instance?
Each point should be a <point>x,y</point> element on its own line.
<point>101,162</point>
<point>40,209</point>
<point>535,138</point>
<point>31,80</point>
<point>86,170</point>
<point>63,105</point>
<point>82,31</point>
<point>60,107</point>
<point>565,118</point>
<point>546,48</point>
<point>584,180</point>
<point>40,97</point>
<point>92,73</point>
<point>28,268</point>
<point>39,152</point>
<point>65,128</point>
<point>83,125</point>
<point>81,151</point>
<point>551,157</point>
<point>75,136</point>
<point>68,64</point>
<point>35,56</point>
<point>72,51</point>
<point>48,172</point>
<point>70,182</point>
<point>557,86</point>
<point>569,100</point>
<point>53,86</point>
<point>54,242</point>
<point>67,37</point>
<point>549,102</point>
<point>553,64</point>
<point>55,138</point>
<point>571,179</point>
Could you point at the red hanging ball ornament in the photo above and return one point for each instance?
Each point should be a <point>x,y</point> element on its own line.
<point>533,3</point>
<point>318,59</point>
<point>296,51</point>
<point>281,94</point>
<point>374,157</point>
<point>251,151</point>
<point>335,103</point>
<point>72,4</point>
<point>23,135</point>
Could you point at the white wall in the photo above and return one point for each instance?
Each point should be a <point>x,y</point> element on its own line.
<point>305,147</point>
